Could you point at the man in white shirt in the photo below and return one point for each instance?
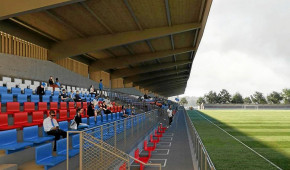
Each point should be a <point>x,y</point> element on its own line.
<point>170,116</point>
<point>51,127</point>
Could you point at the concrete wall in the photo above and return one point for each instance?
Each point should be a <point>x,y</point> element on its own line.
<point>34,69</point>
<point>131,90</point>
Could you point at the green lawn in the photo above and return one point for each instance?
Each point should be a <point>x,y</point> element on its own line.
<point>265,131</point>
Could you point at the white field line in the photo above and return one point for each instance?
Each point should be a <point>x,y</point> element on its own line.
<point>242,143</point>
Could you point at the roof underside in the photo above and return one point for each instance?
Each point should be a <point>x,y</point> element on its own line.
<point>126,34</point>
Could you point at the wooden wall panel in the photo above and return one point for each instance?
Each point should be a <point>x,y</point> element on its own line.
<point>74,66</point>
<point>97,75</point>
<point>128,85</point>
<point>117,83</point>
<point>12,45</point>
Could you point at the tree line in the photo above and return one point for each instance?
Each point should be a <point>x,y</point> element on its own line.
<point>224,97</point>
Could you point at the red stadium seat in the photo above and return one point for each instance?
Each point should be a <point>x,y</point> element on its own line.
<point>149,148</point>
<point>21,119</point>
<point>119,108</point>
<point>72,113</point>
<point>37,117</point>
<point>85,105</point>
<point>79,104</point>
<point>42,106</point>
<point>71,105</point>
<point>12,107</point>
<point>159,135</point>
<point>0,107</point>
<point>155,141</point>
<point>29,107</point>
<point>142,159</point>
<point>53,106</point>
<point>63,106</point>
<point>62,115</point>
<point>4,123</point>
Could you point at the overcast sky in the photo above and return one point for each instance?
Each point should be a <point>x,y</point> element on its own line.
<point>245,48</point>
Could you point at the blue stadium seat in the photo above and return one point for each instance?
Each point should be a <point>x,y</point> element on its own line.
<point>9,142</point>
<point>118,114</point>
<point>3,90</point>
<point>99,120</point>
<point>109,116</point>
<point>15,91</point>
<point>43,156</point>
<point>55,98</point>
<point>63,125</point>
<point>76,141</point>
<point>100,99</point>
<point>92,121</point>
<point>84,120</point>
<point>114,116</point>
<point>128,111</point>
<point>45,98</point>
<point>21,98</point>
<point>35,98</point>
<point>6,98</point>
<point>28,92</point>
<point>105,119</point>
<point>47,92</point>
<point>61,148</point>
<point>44,134</point>
<point>56,93</point>
<point>30,134</point>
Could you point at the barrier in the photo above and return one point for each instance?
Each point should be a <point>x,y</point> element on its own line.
<point>203,158</point>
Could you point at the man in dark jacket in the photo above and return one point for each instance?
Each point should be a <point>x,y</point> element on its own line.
<point>40,91</point>
<point>77,97</point>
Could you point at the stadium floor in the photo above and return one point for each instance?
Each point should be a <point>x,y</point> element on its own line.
<point>265,131</point>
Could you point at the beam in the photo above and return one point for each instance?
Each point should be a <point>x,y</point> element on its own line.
<point>14,8</point>
<point>152,75</point>
<point>143,69</point>
<point>79,46</point>
<point>110,63</point>
<point>170,89</point>
<point>155,80</point>
<point>165,83</point>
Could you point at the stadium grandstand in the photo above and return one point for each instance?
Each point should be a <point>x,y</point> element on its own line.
<point>116,63</point>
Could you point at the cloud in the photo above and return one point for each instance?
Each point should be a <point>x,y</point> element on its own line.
<point>245,48</point>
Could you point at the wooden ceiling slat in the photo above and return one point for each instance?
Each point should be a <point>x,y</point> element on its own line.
<point>100,54</point>
<point>140,47</point>
<point>48,25</point>
<point>151,13</point>
<point>183,39</point>
<point>162,43</point>
<point>115,13</point>
<point>81,19</point>
<point>119,51</point>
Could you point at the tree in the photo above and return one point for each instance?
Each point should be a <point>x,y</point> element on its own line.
<point>200,100</point>
<point>274,98</point>
<point>237,99</point>
<point>211,97</point>
<point>286,96</point>
<point>247,100</point>
<point>224,97</point>
<point>258,98</point>
<point>183,101</point>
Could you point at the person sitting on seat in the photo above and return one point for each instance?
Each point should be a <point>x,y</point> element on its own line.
<point>123,111</point>
<point>64,97</point>
<point>77,97</point>
<point>104,107</point>
<point>92,90</point>
<point>51,81</point>
<point>78,119</point>
<point>51,127</point>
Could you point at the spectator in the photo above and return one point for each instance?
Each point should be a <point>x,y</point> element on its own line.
<point>51,81</point>
<point>123,111</point>
<point>92,90</point>
<point>78,119</point>
<point>77,97</point>
<point>64,97</point>
<point>104,107</point>
<point>145,96</point>
<point>133,110</point>
<point>57,84</point>
<point>40,91</point>
<point>170,116</point>
<point>91,110</point>
<point>101,87</point>
<point>51,127</point>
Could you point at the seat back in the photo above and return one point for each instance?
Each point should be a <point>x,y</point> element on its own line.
<point>92,121</point>
<point>28,91</point>
<point>63,106</point>
<point>71,105</point>
<point>43,152</point>
<point>105,120</point>
<point>37,116</point>
<point>8,137</point>
<point>30,132</point>
<point>114,116</point>
<point>63,114</point>
<point>53,106</point>
<point>76,141</point>
<point>20,117</point>
<point>6,98</point>
<point>56,93</point>
<point>61,146</point>
<point>36,83</point>
<point>46,98</point>
<point>84,120</point>
<point>0,108</point>
<point>27,82</point>
<point>72,112</point>
<point>6,79</point>
<point>3,119</point>
<point>99,120</point>
<point>145,145</point>
<point>136,153</point>
<point>3,90</point>
<point>79,105</point>
<point>29,106</point>
<point>34,98</point>
<point>55,98</point>
<point>85,105</point>
<point>109,117</point>
<point>12,107</point>
<point>42,106</point>
<point>21,98</point>
<point>15,90</point>
<point>63,125</point>
<point>47,92</point>
<point>18,81</point>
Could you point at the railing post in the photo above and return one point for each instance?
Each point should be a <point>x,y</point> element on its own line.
<point>125,122</point>
<point>81,149</point>
<point>115,131</point>
<point>102,142</point>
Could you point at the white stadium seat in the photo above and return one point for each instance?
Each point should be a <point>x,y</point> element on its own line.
<point>36,83</point>
<point>9,85</point>
<point>6,79</point>
<point>27,82</point>
<point>17,81</point>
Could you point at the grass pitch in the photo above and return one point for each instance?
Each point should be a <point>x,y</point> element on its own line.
<point>265,131</point>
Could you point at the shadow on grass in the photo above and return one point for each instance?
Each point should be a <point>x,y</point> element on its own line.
<point>227,153</point>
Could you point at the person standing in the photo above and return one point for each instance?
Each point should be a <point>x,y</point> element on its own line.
<point>40,91</point>
<point>51,127</point>
<point>170,116</point>
<point>57,84</point>
<point>101,87</point>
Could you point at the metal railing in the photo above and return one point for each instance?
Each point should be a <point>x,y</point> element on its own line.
<point>104,147</point>
<point>203,159</point>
